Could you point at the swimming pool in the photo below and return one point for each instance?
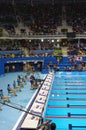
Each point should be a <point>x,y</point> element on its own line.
<point>66,104</point>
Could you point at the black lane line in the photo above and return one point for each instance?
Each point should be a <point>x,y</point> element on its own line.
<point>69,84</point>
<point>76,99</point>
<point>67,93</point>
<point>71,126</point>
<point>69,114</point>
<point>76,93</point>
<point>75,84</point>
<point>75,117</point>
<point>69,88</point>
<point>69,106</point>
<point>68,99</point>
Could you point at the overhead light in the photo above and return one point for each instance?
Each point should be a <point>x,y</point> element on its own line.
<point>52,40</point>
<point>58,40</point>
<point>42,40</point>
<point>29,40</point>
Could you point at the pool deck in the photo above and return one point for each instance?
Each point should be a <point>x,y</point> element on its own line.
<point>8,115</point>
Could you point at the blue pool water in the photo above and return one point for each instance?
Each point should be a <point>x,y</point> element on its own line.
<point>66,105</point>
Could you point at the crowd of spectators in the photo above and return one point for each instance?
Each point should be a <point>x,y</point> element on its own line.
<point>75,53</point>
<point>76,64</point>
<point>7,17</point>
<point>6,45</point>
<point>41,19</point>
<point>76,17</point>
<point>26,48</point>
<point>76,48</point>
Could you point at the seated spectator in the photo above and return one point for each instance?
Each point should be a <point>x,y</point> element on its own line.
<point>12,55</point>
<point>65,68</point>
<point>32,81</point>
<point>11,90</point>
<point>33,70</point>
<point>32,77</point>
<point>16,86</point>
<point>56,68</point>
<point>53,126</point>
<point>27,76</point>
<point>23,80</point>
<point>2,96</point>
<point>13,68</point>
<point>50,66</point>
<point>19,81</point>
